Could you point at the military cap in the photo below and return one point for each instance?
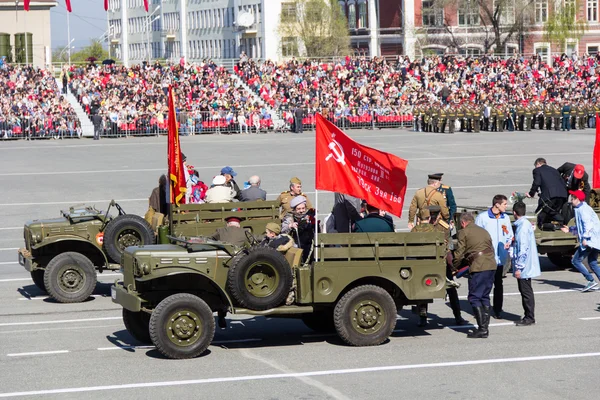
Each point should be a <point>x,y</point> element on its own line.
<point>436,176</point>
<point>233,218</point>
<point>296,201</point>
<point>273,227</point>
<point>296,181</point>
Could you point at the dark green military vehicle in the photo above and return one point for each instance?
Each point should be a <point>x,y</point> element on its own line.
<point>63,254</point>
<point>356,286</point>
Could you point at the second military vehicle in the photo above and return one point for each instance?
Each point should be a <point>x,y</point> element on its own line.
<point>356,285</point>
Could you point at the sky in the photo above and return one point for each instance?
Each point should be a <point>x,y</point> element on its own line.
<point>87,21</point>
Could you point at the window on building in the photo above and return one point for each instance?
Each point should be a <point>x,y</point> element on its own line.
<point>288,12</point>
<point>592,10</point>
<point>343,7</point>
<point>352,16</point>
<point>541,11</point>
<point>432,14</point>
<point>289,47</point>
<point>362,15</point>
<point>470,51</point>
<point>542,51</point>
<point>593,50</point>
<point>507,12</point>
<point>570,48</point>
<point>468,13</point>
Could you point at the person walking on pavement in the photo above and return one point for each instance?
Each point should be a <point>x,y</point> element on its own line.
<point>97,122</point>
<point>587,229</point>
<point>475,249</point>
<point>497,224</point>
<point>525,262</point>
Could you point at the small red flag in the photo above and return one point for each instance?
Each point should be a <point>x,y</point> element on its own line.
<point>26,4</point>
<point>69,9</point>
<point>176,173</point>
<point>345,166</point>
<point>105,5</point>
<point>596,165</point>
<point>146,5</point>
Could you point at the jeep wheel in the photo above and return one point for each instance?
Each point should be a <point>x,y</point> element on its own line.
<point>260,280</point>
<point>182,326</point>
<point>319,321</point>
<point>70,277</point>
<point>138,325</point>
<point>124,231</point>
<point>365,316</point>
<point>560,260</point>
<point>38,279</point>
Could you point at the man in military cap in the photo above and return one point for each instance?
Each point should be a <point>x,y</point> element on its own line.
<point>285,198</point>
<point>475,249</point>
<point>425,197</point>
<point>232,233</point>
<point>451,112</point>
<point>275,239</point>
<point>436,224</point>
<point>446,191</point>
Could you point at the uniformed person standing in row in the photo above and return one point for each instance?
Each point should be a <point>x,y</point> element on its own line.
<point>446,191</point>
<point>451,112</point>
<point>425,197</point>
<point>436,224</point>
<point>475,249</point>
<point>285,198</point>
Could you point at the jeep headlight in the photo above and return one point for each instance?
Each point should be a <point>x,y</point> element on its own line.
<point>145,269</point>
<point>38,237</point>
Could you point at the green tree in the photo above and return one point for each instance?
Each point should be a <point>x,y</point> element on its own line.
<point>317,26</point>
<point>94,49</point>
<point>563,24</point>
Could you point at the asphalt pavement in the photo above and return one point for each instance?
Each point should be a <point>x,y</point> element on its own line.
<point>82,350</point>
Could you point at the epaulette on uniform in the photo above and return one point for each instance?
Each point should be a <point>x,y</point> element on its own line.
<point>445,187</point>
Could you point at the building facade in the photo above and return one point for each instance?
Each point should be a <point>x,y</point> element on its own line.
<point>25,35</point>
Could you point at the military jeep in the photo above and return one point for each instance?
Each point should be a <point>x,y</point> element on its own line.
<point>355,286</point>
<point>63,254</point>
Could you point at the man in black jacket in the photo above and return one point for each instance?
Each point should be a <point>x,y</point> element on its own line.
<point>553,192</point>
<point>576,178</point>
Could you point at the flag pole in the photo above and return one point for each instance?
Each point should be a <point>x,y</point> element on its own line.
<point>316,225</point>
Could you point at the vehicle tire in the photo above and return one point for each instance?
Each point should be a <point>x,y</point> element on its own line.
<point>365,316</point>
<point>70,277</point>
<point>38,279</point>
<point>320,321</point>
<point>124,231</point>
<point>138,325</point>
<point>182,326</point>
<point>560,260</point>
<point>260,280</point>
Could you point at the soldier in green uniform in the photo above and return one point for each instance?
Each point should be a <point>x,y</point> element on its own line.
<point>435,224</point>
<point>468,118</point>
<point>443,119</point>
<point>573,117</point>
<point>460,115</point>
<point>477,116</point>
<point>426,118</point>
<point>527,121</point>
<point>446,191</point>
<point>416,118</point>
<point>556,115</point>
<point>451,113</point>
<point>232,233</point>
<point>285,198</point>
<point>520,118</point>
<point>435,117</point>
<point>581,115</point>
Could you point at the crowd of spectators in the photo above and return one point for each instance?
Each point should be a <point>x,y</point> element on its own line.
<point>31,105</point>
<point>135,100</point>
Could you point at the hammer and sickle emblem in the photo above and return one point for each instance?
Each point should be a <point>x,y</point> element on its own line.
<point>337,152</point>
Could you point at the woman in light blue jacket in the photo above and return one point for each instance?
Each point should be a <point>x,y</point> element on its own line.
<point>587,229</point>
<point>525,262</point>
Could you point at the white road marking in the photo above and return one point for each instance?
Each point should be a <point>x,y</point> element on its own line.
<point>58,321</point>
<point>8,262</point>
<point>70,328</point>
<point>52,203</point>
<point>8,248</point>
<point>495,156</point>
<point>29,279</point>
<point>124,348</point>
<point>589,318</point>
<point>14,228</point>
<point>540,292</point>
<point>218,342</point>
<point>469,326</point>
<point>296,375</point>
<point>37,353</point>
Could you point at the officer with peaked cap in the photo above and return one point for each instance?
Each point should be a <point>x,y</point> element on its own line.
<point>446,191</point>
<point>425,197</point>
<point>285,198</point>
<point>232,233</point>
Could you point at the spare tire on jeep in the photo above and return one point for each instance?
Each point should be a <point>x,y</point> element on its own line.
<point>260,279</point>
<point>124,231</point>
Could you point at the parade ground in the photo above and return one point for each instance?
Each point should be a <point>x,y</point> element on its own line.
<point>76,351</point>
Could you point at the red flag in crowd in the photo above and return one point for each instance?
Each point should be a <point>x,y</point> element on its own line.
<point>105,5</point>
<point>146,5</point>
<point>345,166</point>
<point>176,174</point>
<point>26,4</point>
<point>596,165</point>
<point>69,9</point>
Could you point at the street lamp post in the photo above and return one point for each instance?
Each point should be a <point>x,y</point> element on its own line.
<point>69,35</point>
<point>148,25</point>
